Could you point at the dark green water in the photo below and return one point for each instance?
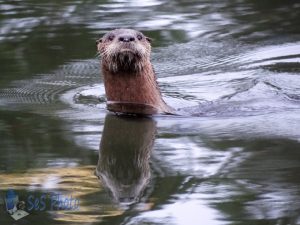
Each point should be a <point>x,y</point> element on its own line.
<point>234,65</point>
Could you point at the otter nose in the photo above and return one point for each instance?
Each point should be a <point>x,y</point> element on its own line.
<point>126,38</point>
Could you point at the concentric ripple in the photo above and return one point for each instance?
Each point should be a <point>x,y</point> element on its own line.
<point>48,88</point>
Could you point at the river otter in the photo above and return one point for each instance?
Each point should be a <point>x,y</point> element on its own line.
<point>129,78</point>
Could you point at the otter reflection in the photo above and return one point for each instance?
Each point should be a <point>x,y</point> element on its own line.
<point>125,148</point>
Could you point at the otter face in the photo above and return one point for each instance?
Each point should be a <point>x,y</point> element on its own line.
<point>124,50</point>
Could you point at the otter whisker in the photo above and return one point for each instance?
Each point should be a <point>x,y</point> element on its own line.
<point>98,55</point>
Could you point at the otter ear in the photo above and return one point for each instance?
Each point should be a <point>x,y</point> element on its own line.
<point>99,41</point>
<point>149,39</point>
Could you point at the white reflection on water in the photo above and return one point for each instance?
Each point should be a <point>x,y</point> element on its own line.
<point>124,6</point>
<point>138,3</point>
<point>87,124</point>
<point>10,27</point>
<point>184,209</point>
<point>209,87</point>
<point>47,182</point>
<point>269,54</point>
<point>264,207</point>
<point>191,157</point>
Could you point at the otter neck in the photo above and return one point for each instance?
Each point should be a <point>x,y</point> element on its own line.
<point>134,87</point>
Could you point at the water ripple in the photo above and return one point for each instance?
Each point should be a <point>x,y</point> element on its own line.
<point>47,89</point>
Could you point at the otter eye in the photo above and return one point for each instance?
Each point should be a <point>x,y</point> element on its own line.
<point>111,37</point>
<point>98,41</point>
<point>149,39</point>
<point>139,37</point>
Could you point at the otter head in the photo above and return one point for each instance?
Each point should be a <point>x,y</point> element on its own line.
<point>124,51</point>
<point>129,78</point>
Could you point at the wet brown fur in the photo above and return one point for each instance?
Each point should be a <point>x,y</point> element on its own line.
<point>128,73</point>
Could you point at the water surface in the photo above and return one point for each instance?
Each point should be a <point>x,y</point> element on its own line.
<point>230,68</point>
